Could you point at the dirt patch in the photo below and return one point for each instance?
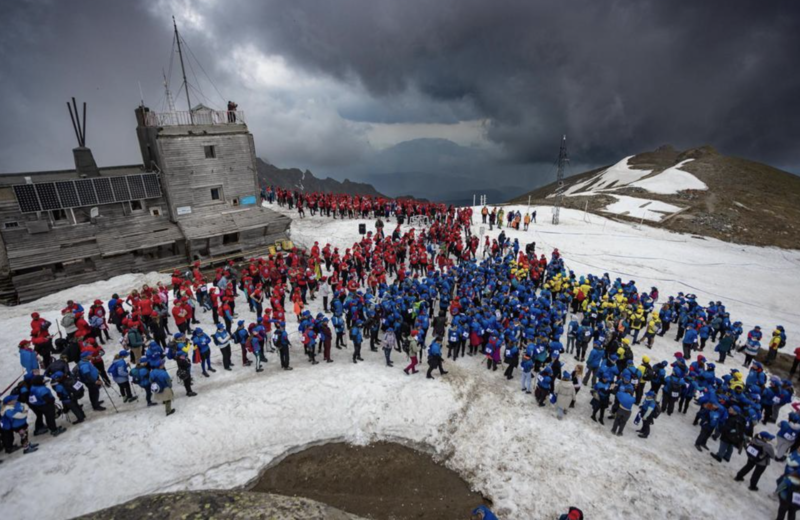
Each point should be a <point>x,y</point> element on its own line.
<point>382,481</point>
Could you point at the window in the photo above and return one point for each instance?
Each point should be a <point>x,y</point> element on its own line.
<point>10,225</point>
<point>156,212</point>
<point>60,217</point>
<point>211,151</point>
<point>235,201</point>
<point>136,205</point>
<point>230,238</point>
<point>216,194</point>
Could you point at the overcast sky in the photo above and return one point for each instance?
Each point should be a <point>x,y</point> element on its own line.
<point>330,84</point>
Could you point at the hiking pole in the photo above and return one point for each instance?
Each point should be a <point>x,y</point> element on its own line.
<point>109,398</point>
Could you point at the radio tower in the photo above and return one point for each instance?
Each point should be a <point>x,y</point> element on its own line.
<point>562,163</point>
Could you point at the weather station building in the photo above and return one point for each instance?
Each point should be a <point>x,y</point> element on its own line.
<point>194,197</point>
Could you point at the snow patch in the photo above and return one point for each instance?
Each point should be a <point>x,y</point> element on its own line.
<point>652,210</point>
<point>671,181</point>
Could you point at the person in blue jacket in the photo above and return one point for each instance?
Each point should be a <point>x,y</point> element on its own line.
<point>596,356</point>
<point>483,513</point>
<point>357,338</point>
<point>66,391</point>
<point>140,375</point>
<point>626,402</point>
<point>223,340</point>
<point>203,343</point>
<point>41,398</point>
<point>544,386</point>
<point>90,377</point>
<point>435,359</point>
<point>27,357</point>
<point>689,342</point>
<point>119,373</point>
<point>161,386</point>
<point>527,372</point>
<point>14,419</point>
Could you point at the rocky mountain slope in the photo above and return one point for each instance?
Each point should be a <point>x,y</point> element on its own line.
<point>295,179</point>
<point>696,191</point>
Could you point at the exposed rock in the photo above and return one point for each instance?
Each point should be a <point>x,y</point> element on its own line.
<point>230,505</point>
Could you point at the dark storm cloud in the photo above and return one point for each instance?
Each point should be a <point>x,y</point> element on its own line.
<point>617,77</point>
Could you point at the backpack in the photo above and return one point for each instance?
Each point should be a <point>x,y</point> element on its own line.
<point>656,412</point>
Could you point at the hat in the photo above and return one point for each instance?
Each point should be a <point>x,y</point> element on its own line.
<point>35,315</point>
<point>24,342</point>
<point>240,323</point>
<point>9,398</point>
<point>220,326</point>
<point>57,375</point>
<point>650,394</point>
<point>566,375</point>
<point>123,353</point>
<point>98,302</point>
<point>766,435</point>
<point>177,335</point>
<point>85,354</point>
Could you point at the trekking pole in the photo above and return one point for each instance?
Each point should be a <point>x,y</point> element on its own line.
<point>109,398</point>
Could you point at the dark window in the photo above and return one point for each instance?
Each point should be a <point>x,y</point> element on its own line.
<point>136,205</point>
<point>230,238</point>
<point>11,225</point>
<point>59,215</point>
<point>211,151</point>
<point>215,194</point>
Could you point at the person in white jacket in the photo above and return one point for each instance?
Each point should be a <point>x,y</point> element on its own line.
<point>565,394</point>
<point>325,292</point>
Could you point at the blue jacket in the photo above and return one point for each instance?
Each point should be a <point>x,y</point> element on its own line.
<point>40,395</point>
<point>88,372</point>
<point>435,349</point>
<point>595,357</point>
<point>625,400</point>
<point>159,376</point>
<point>527,365</point>
<point>27,358</point>
<point>690,336</point>
<point>119,371</point>
<point>203,342</point>
<point>355,334</point>
<point>141,376</point>
<point>14,417</point>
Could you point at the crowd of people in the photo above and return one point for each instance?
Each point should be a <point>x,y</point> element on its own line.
<point>424,295</point>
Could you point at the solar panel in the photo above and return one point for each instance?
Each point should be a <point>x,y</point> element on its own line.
<point>26,196</point>
<point>136,186</point>
<point>68,194</point>
<point>102,186</point>
<point>151,185</point>
<point>86,192</point>
<point>120,188</point>
<point>47,195</point>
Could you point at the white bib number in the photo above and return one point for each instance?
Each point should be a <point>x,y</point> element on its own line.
<point>796,499</point>
<point>32,399</point>
<point>77,386</point>
<point>675,394</point>
<point>751,450</point>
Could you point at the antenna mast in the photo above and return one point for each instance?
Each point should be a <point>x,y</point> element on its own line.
<point>562,163</point>
<point>170,101</point>
<point>183,70</point>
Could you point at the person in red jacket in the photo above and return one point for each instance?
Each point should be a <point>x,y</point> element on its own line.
<point>181,316</point>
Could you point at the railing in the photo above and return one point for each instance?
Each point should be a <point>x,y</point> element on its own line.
<point>200,117</point>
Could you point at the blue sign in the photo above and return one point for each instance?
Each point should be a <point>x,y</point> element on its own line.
<point>248,201</point>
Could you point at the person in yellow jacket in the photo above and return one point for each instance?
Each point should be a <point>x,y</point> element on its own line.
<point>637,323</point>
<point>500,215</point>
<point>527,221</point>
<point>653,326</point>
<point>774,344</point>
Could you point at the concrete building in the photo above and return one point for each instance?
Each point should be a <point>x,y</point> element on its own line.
<point>194,197</point>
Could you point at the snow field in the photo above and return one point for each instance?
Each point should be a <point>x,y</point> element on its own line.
<point>519,455</point>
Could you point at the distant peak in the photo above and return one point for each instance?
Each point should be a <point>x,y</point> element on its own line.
<point>699,153</point>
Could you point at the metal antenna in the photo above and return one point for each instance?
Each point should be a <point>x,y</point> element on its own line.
<point>80,130</point>
<point>183,70</point>
<point>562,163</point>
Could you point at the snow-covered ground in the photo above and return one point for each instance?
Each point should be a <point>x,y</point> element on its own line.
<point>518,454</point>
